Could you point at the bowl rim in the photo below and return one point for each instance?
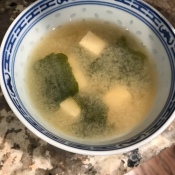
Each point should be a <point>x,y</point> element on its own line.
<point>60,145</point>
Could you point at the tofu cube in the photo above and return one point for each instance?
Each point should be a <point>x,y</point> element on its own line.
<point>117,97</point>
<point>93,43</point>
<point>70,107</point>
<point>78,73</point>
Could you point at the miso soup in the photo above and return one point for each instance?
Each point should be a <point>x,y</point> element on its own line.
<point>91,80</point>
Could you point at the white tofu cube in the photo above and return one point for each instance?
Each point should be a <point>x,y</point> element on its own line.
<point>70,107</point>
<point>93,43</point>
<point>117,97</point>
<point>78,73</point>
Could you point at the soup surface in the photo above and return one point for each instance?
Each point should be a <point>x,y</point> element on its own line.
<point>91,80</point>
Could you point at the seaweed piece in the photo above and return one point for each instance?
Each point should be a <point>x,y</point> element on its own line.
<point>56,78</point>
<point>93,119</point>
<point>119,61</point>
<point>106,63</point>
<point>132,61</point>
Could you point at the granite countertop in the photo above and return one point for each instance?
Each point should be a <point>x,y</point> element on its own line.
<point>22,153</point>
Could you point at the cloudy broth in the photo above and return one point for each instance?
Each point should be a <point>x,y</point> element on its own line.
<point>116,86</point>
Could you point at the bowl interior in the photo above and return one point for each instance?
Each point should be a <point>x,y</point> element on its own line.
<point>28,30</point>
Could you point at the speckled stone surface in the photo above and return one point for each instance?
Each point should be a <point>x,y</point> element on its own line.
<point>22,153</point>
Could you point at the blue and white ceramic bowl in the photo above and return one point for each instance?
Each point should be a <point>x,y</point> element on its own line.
<point>136,16</point>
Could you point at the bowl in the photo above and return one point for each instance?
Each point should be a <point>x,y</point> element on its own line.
<point>137,17</point>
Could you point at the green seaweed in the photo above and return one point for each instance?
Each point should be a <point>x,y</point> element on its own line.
<point>93,119</point>
<point>56,77</point>
<point>132,61</point>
